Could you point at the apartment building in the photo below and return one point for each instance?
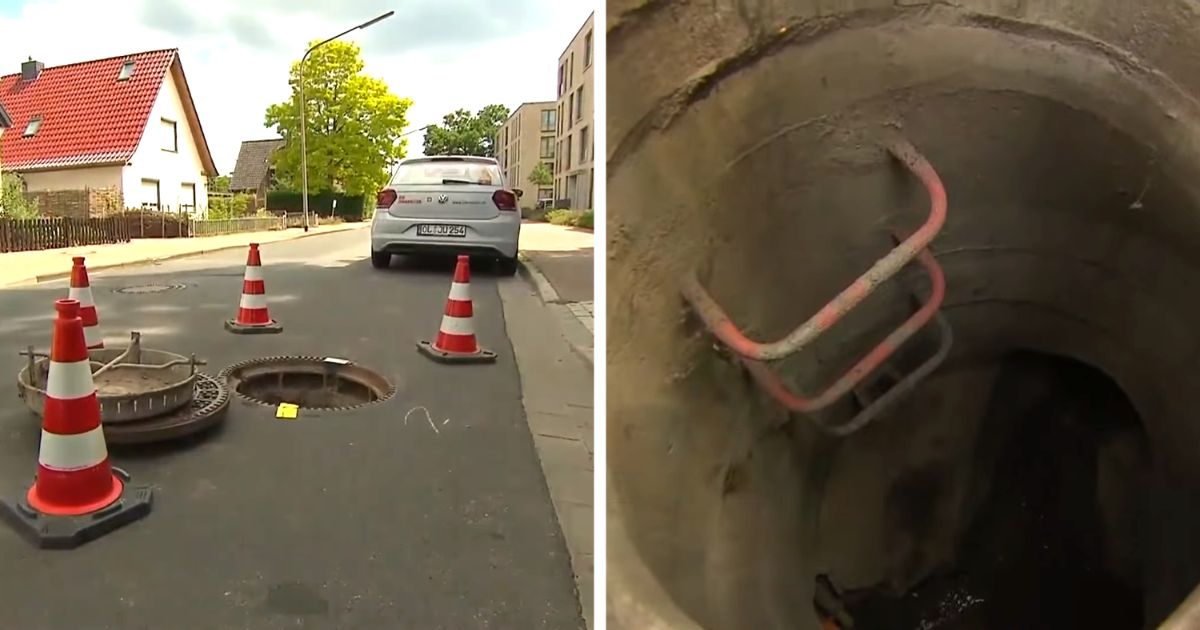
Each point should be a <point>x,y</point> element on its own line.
<point>524,140</point>
<point>573,175</point>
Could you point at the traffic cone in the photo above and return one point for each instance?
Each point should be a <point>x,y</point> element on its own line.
<point>81,291</point>
<point>252,316</point>
<point>77,494</point>
<point>455,341</point>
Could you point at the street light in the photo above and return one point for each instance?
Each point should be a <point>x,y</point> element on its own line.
<point>407,133</point>
<point>303,116</point>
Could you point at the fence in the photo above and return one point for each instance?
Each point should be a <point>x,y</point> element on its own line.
<point>214,227</point>
<point>19,235</point>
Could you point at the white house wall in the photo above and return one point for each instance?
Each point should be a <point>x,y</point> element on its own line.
<point>73,179</point>
<point>172,170</point>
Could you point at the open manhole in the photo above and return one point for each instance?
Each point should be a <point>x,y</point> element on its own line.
<point>138,289</point>
<point>309,382</point>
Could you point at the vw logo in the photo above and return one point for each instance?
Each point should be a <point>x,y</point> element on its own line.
<point>443,198</point>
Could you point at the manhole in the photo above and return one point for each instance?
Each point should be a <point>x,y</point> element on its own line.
<point>149,288</point>
<point>309,382</point>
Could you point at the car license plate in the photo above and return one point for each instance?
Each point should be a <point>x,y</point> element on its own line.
<point>442,230</point>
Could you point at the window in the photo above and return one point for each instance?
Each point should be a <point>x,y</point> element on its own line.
<point>151,199</point>
<point>562,76</point>
<point>545,193</point>
<point>587,50</point>
<point>547,147</point>
<point>583,145</point>
<point>560,119</point>
<point>567,154</point>
<point>170,136</point>
<point>505,134</point>
<point>35,123</point>
<point>126,71</point>
<point>571,110</point>
<point>579,104</point>
<point>187,198</point>
<point>571,71</point>
<point>426,172</point>
<point>549,167</point>
<point>548,120</point>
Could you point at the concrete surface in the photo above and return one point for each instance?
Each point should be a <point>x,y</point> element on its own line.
<point>564,255</point>
<point>429,510</point>
<point>557,389</point>
<point>559,262</point>
<point>53,264</point>
<point>1067,136</point>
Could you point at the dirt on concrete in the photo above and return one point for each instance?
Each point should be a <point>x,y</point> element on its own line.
<point>1066,136</point>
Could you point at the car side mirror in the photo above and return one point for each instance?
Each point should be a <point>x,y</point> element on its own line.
<point>519,192</point>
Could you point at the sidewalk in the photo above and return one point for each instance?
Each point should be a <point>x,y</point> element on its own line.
<point>557,393</point>
<point>560,262</point>
<point>53,264</point>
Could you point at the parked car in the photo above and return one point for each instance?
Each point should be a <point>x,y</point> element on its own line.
<point>447,205</point>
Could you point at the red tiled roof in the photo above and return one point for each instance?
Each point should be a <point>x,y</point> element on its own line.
<point>88,116</point>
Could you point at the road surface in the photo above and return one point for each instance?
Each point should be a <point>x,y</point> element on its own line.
<point>352,519</point>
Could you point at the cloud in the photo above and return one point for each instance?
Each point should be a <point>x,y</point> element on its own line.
<point>444,54</point>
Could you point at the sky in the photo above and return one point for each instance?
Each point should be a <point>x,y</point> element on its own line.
<point>443,54</point>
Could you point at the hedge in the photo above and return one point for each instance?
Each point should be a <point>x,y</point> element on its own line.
<point>348,208</point>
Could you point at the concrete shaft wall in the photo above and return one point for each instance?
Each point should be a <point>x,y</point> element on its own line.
<point>1066,135</point>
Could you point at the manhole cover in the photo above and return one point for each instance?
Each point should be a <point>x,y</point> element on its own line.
<point>310,382</point>
<point>150,288</point>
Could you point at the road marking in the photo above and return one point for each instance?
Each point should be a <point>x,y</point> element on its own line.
<point>428,418</point>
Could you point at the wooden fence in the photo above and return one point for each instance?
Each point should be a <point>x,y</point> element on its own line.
<point>19,235</point>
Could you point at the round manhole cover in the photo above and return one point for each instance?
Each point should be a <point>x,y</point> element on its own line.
<point>308,382</point>
<point>150,288</point>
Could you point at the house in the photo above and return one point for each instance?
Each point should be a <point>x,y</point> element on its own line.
<point>5,123</point>
<point>253,172</point>
<point>126,125</point>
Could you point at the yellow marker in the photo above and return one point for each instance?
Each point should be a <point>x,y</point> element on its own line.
<point>287,411</point>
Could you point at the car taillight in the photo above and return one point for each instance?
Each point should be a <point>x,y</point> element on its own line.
<point>505,200</point>
<point>385,198</point>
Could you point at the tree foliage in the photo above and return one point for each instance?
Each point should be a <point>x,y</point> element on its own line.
<point>13,203</point>
<point>354,124</point>
<point>541,176</point>
<point>464,133</point>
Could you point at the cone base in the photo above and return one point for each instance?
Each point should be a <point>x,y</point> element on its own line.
<point>441,356</point>
<point>261,329</point>
<point>67,532</point>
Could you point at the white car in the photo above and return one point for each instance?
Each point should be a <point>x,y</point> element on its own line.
<point>447,205</point>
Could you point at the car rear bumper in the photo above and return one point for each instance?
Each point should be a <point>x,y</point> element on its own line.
<point>484,238</point>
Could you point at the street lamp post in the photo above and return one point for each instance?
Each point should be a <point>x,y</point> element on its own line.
<point>303,115</point>
<point>406,133</point>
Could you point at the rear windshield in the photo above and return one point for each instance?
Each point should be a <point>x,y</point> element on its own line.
<point>460,171</point>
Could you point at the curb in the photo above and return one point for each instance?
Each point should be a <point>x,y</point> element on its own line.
<point>545,289</point>
<point>573,330</point>
<point>51,277</point>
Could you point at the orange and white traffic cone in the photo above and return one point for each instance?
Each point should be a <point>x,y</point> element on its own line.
<point>252,315</point>
<point>77,494</point>
<point>455,341</point>
<point>81,291</point>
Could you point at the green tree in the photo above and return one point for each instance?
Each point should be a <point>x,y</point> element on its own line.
<point>13,203</point>
<point>354,124</point>
<point>541,176</point>
<point>464,133</point>
<point>219,184</point>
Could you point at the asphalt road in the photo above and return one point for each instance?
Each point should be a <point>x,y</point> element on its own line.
<point>339,520</point>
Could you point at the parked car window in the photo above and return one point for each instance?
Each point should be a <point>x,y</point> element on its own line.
<point>436,173</point>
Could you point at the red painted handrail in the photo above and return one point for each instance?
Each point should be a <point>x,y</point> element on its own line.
<point>770,381</point>
<point>720,325</point>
